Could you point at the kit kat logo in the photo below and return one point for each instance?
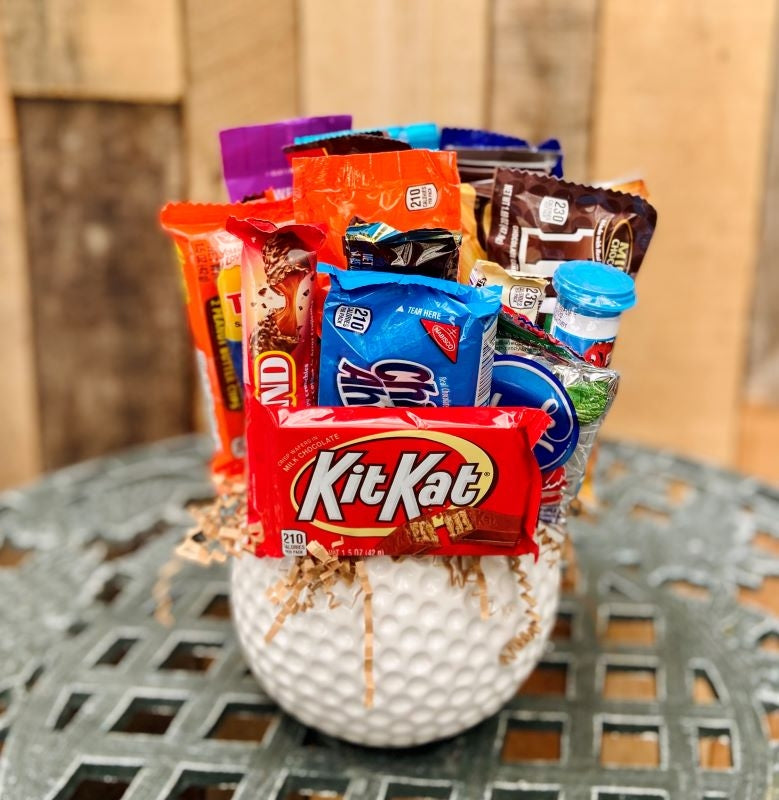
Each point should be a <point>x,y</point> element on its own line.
<point>619,245</point>
<point>370,486</point>
<point>274,379</point>
<point>446,336</point>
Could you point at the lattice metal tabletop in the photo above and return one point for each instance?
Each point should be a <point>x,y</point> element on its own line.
<point>662,680</point>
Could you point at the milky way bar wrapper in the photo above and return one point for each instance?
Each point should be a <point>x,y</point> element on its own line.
<point>538,222</point>
<point>394,481</point>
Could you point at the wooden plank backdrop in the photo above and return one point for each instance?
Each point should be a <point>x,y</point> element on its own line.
<point>679,119</point>
<point>118,107</point>
<point>19,430</point>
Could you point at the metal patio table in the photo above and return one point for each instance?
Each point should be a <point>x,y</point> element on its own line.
<point>661,681</point>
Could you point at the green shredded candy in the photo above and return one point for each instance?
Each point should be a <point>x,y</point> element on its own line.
<point>589,399</point>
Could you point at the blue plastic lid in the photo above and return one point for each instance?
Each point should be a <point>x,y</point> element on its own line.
<point>596,289</point>
<point>420,135</point>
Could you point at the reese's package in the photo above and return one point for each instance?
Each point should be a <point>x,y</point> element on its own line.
<point>201,242</point>
<point>406,340</point>
<point>407,190</point>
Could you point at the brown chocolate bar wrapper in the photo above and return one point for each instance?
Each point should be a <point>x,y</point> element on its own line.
<point>413,538</point>
<point>538,222</point>
<point>477,526</point>
<point>472,525</point>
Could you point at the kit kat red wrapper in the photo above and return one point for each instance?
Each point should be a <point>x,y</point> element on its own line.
<point>394,481</point>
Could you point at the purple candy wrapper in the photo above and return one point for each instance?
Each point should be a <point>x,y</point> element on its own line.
<point>252,156</point>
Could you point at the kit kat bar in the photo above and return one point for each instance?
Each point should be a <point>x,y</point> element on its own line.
<point>412,538</point>
<point>476,526</point>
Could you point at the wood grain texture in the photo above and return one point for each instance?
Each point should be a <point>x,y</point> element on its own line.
<point>763,362</point>
<point>684,97</point>
<point>396,61</point>
<point>18,401</point>
<point>113,354</point>
<point>242,58</point>
<point>758,452</point>
<point>128,50</point>
<point>542,66</point>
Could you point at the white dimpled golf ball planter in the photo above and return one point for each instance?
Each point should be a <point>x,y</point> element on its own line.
<point>437,664</point>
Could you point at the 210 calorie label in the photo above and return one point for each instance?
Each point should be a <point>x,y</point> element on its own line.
<point>293,543</point>
<point>353,318</point>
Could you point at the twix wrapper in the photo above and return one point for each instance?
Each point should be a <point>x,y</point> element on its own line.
<point>202,246</point>
<point>538,222</point>
<point>394,481</point>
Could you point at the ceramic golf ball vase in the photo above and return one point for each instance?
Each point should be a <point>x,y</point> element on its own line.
<point>437,665</point>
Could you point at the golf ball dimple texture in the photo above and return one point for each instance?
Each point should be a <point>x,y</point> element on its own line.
<point>437,663</point>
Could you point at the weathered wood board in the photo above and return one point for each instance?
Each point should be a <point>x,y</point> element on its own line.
<point>98,49</point>
<point>684,98</point>
<point>112,354</point>
<point>396,61</point>
<point>19,437</point>
<point>542,63</point>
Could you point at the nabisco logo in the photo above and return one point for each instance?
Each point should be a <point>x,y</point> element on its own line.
<point>445,335</point>
<point>370,486</point>
<point>392,382</point>
<point>274,379</point>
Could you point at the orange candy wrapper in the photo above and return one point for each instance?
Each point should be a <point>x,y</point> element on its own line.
<point>199,235</point>
<point>407,190</point>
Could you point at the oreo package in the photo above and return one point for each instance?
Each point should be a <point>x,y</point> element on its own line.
<point>406,340</point>
<point>426,251</point>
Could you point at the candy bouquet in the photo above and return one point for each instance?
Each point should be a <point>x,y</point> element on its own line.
<point>404,337</point>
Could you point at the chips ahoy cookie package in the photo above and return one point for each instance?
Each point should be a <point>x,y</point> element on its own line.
<point>406,340</point>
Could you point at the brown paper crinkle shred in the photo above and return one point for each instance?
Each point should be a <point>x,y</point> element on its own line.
<point>365,585</point>
<point>533,628</point>
<point>221,531</point>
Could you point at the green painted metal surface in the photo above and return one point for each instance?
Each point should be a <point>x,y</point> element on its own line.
<point>99,700</point>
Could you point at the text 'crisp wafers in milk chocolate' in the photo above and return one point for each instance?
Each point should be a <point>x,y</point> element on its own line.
<point>391,481</point>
